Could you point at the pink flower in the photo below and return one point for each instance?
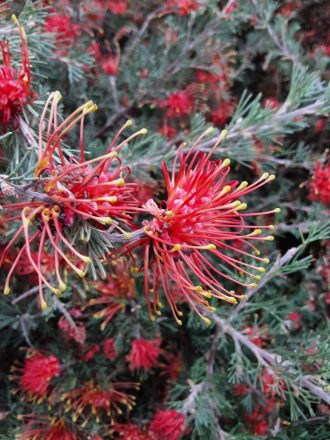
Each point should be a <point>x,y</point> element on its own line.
<point>109,349</point>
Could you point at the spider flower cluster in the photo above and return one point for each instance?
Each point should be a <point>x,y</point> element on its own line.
<point>66,191</point>
<point>201,232</point>
<point>15,84</point>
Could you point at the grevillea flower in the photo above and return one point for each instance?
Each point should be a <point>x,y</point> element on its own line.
<point>144,354</point>
<point>109,349</point>
<point>168,425</point>
<point>108,61</point>
<point>117,7</point>
<point>221,113</point>
<point>67,191</point>
<point>91,399</point>
<point>113,292</point>
<point>61,26</point>
<point>73,333</point>
<point>37,373</point>
<point>319,186</point>
<point>129,431</point>
<point>200,229</point>
<point>183,7</point>
<point>46,428</point>
<point>178,104</point>
<point>15,84</point>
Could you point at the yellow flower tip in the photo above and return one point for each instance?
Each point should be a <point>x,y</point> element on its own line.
<point>129,123</point>
<point>266,260</point>
<point>257,252</point>
<point>265,176</point>
<point>232,300</point>
<point>120,182</point>
<point>209,130</point>
<point>62,287</point>
<point>102,327</point>
<point>232,292</point>
<point>81,273</point>
<point>180,313</point>
<point>106,220</point>
<point>176,247</point>
<point>261,269</point>
<point>144,131</point>
<point>127,235</point>
<point>152,318</point>
<point>179,321</point>
<point>270,238</point>
<point>112,154</point>
<point>243,185</point>
<point>257,232</point>
<point>6,290</point>
<point>236,203</point>
<point>225,163</point>
<point>225,190</point>
<point>211,247</point>
<point>14,18</point>
<point>159,313</point>
<point>43,305</point>
<point>244,296</point>
<point>252,285</point>
<point>198,288</point>
<point>134,269</point>
<point>257,277</point>
<point>224,134</point>
<point>271,177</point>
<point>212,309</point>
<point>58,95</point>
<point>271,227</point>
<point>277,210</point>
<point>241,207</point>
<point>86,260</point>
<point>207,293</point>
<point>207,320</point>
<point>161,305</point>
<point>26,221</point>
<point>113,199</point>
<point>169,213</point>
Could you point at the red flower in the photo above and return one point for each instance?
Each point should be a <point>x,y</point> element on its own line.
<point>319,187</point>
<point>113,292</point>
<point>183,7</point>
<point>168,425</point>
<point>38,371</point>
<point>202,215</point>
<point>77,333</point>
<point>129,431</point>
<point>109,61</point>
<point>91,353</point>
<point>65,31</point>
<point>144,353</point>
<point>109,349</point>
<point>231,7</point>
<point>178,104</point>
<point>15,91</point>
<point>117,7</point>
<point>261,428</point>
<point>167,132</point>
<point>295,319</point>
<point>90,399</point>
<point>221,113</point>
<point>255,334</point>
<point>66,192</point>
<point>45,428</point>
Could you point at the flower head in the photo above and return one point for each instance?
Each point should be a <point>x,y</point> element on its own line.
<point>183,7</point>
<point>61,26</point>
<point>198,228</point>
<point>168,425</point>
<point>109,349</point>
<point>15,84</point>
<point>46,428</point>
<point>91,399</point>
<point>37,373</point>
<point>67,191</point>
<point>319,186</point>
<point>108,61</point>
<point>129,431</point>
<point>178,104</point>
<point>144,354</point>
